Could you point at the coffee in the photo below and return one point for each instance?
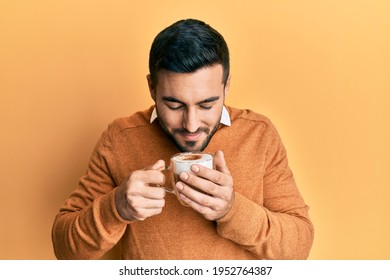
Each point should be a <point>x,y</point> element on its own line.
<point>189,157</point>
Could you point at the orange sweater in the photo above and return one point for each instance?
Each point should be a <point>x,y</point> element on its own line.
<point>268,220</point>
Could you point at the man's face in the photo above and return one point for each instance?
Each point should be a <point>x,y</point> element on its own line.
<point>189,105</point>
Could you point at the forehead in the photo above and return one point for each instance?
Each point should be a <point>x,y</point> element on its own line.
<point>201,84</point>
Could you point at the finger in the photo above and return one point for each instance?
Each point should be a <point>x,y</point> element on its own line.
<point>210,212</point>
<point>215,176</point>
<point>147,203</point>
<point>147,192</point>
<point>195,205</point>
<point>140,184</point>
<point>150,176</point>
<point>201,184</point>
<point>154,193</point>
<point>189,193</point>
<point>142,214</point>
<point>158,165</point>
<point>220,162</point>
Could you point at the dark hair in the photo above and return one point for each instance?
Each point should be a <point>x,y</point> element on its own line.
<point>186,46</point>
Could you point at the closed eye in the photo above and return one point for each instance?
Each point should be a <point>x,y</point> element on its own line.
<point>174,105</point>
<point>206,107</point>
<point>208,103</point>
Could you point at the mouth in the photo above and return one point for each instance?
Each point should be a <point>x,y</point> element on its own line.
<point>191,136</point>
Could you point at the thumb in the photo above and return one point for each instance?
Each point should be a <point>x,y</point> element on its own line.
<point>220,163</point>
<point>158,165</point>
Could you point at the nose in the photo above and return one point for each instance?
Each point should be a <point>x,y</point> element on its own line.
<point>190,120</point>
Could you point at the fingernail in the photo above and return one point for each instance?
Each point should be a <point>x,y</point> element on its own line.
<point>195,168</point>
<point>184,176</point>
<point>179,186</point>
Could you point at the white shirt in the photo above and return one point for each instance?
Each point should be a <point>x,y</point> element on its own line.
<point>225,117</point>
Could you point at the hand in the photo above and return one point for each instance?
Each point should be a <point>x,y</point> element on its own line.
<point>136,198</point>
<point>217,184</point>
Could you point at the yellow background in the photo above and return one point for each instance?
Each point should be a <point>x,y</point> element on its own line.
<point>319,69</point>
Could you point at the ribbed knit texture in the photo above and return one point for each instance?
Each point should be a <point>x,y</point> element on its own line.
<point>268,220</point>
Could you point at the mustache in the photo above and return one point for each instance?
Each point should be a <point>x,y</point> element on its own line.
<point>185,131</point>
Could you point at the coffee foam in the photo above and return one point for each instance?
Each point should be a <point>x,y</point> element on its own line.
<point>183,164</point>
<point>188,157</point>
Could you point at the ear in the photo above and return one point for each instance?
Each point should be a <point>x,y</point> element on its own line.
<point>151,87</point>
<point>227,86</point>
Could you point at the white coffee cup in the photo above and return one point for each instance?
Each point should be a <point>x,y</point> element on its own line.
<point>182,162</point>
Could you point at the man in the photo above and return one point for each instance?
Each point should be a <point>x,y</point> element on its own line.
<point>251,208</point>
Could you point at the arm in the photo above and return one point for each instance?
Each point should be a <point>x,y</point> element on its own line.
<point>281,227</point>
<point>277,228</point>
<point>88,225</point>
<point>268,234</point>
<point>96,214</point>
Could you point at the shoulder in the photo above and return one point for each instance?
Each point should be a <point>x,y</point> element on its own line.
<point>248,122</point>
<point>138,119</point>
<point>246,115</point>
<point>254,126</point>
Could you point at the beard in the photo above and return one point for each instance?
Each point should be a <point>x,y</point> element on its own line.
<point>190,146</point>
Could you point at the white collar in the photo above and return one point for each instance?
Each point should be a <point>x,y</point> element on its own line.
<point>225,117</point>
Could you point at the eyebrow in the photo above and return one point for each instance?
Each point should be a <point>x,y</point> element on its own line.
<point>172,99</point>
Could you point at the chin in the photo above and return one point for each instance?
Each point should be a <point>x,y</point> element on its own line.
<point>188,146</point>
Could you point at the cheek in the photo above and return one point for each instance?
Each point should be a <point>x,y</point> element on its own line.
<point>170,119</point>
<point>210,118</point>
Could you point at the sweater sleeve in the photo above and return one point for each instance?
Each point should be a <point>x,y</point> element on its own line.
<point>280,228</point>
<point>88,225</point>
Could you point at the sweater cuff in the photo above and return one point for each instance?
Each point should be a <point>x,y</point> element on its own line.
<point>111,215</point>
<point>242,223</point>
